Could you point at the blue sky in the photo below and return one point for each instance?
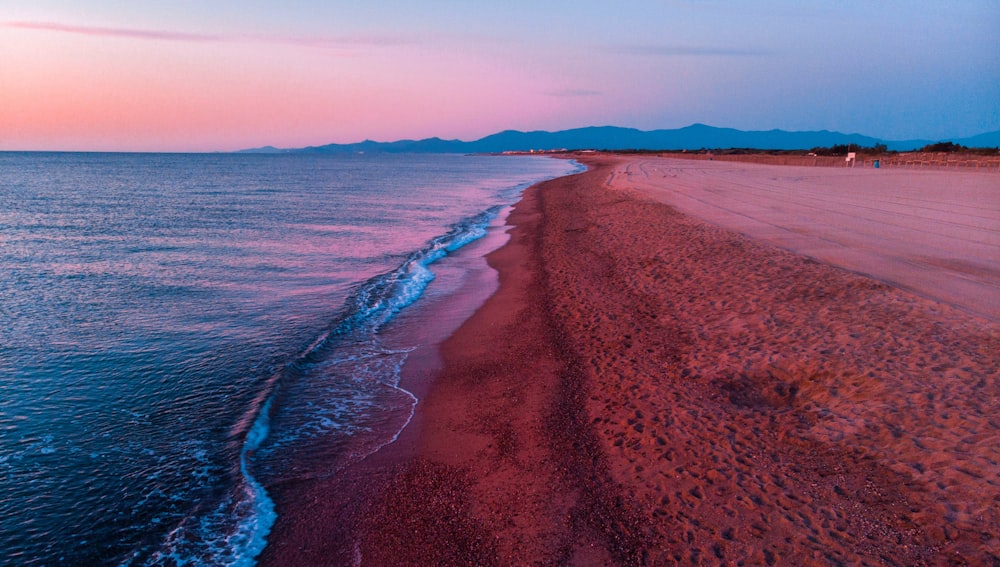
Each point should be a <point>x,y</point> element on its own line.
<point>222,75</point>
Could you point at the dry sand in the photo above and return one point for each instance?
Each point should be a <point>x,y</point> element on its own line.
<point>648,388</point>
<point>936,233</point>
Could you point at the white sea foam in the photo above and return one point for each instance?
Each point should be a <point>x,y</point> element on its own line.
<point>235,533</point>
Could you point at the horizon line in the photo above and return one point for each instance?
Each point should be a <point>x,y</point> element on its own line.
<point>276,149</point>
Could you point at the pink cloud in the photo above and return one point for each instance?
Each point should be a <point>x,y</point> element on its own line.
<point>321,42</point>
<point>114,32</point>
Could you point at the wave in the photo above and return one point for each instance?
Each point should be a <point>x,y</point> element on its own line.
<point>379,299</point>
<point>235,531</point>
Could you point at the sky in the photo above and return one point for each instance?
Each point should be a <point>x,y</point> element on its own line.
<point>191,75</point>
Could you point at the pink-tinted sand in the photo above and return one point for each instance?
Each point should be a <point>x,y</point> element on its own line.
<point>936,233</point>
<point>647,388</point>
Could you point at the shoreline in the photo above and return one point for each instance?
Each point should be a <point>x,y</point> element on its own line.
<point>486,441</point>
<point>645,388</point>
<point>314,528</point>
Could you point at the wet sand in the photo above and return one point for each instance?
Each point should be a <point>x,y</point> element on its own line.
<point>648,388</point>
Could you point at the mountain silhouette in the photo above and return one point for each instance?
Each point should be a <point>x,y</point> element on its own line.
<point>693,137</point>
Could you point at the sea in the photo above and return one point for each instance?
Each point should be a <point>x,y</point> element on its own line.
<point>178,332</point>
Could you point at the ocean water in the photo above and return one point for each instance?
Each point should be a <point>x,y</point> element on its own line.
<point>178,332</point>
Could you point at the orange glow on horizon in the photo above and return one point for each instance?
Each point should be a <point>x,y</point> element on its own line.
<point>76,92</point>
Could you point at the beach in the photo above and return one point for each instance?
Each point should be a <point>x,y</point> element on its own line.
<point>935,233</point>
<point>648,386</point>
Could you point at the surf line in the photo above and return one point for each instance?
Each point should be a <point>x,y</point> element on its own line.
<point>374,304</point>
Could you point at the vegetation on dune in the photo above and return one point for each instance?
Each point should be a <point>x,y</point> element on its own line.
<point>831,151</point>
<point>881,149</point>
<point>953,148</point>
<point>844,149</point>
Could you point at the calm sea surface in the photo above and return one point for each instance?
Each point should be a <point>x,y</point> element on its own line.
<point>176,331</point>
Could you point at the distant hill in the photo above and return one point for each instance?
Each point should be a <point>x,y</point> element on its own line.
<point>988,140</point>
<point>694,137</point>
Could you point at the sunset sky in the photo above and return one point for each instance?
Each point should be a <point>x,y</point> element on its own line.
<point>191,75</point>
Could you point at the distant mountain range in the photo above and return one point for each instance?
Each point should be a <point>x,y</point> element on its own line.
<point>694,137</point>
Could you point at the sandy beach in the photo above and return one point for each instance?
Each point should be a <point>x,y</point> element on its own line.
<point>935,233</point>
<point>655,383</point>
